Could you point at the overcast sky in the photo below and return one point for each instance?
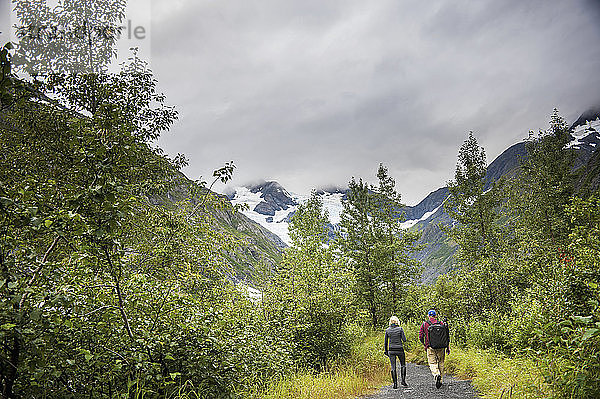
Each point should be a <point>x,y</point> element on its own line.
<point>313,92</point>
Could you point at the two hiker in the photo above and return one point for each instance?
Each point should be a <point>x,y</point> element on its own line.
<point>434,335</point>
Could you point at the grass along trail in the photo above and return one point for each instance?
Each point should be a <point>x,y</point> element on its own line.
<point>366,374</point>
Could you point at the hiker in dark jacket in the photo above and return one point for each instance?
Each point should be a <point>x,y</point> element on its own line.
<point>392,347</point>
<point>435,356</point>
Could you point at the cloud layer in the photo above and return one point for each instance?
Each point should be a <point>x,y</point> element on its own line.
<point>311,93</point>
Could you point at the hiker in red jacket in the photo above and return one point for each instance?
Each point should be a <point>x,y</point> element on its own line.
<point>435,335</point>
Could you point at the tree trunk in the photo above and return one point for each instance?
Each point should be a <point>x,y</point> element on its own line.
<point>11,377</point>
<point>394,296</point>
<point>371,287</point>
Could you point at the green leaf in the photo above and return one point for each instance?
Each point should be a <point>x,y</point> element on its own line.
<point>583,319</point>
<point>8,326</point>
<point>35,314</point>
<point>589,333</point>
<point>48,222</point>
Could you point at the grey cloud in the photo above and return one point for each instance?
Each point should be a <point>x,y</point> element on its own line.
<point>311,93</point>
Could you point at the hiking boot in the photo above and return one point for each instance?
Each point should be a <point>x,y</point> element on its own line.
<point>403,374</point>
<point>438,381</point>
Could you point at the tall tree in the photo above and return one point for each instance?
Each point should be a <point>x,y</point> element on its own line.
<point>376,245</point>
<point>309,292</point>
<point>478,231</point>
<point>71,37</point>
<point>545,186</point>
<point>394,244</point>
<point>358,244</point>
<point>475,209</point>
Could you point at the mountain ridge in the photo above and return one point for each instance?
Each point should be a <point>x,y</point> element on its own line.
<point>428,215</point>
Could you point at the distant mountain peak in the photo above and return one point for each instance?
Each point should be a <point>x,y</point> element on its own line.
<point>274,198</point>
<point>264,184</point>
<point>591,114</point>
<point>272,206</point>
<point>331,190</point>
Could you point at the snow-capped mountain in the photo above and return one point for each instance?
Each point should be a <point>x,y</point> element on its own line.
<point>429,214</point>
<point>586,139</point>
<point>586,134</point>
<point>272,206</point>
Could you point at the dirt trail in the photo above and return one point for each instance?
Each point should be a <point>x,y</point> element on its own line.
<point>422,385</point>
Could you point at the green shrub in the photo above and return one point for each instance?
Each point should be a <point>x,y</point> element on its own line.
<point>488,333</point>
<point>362,372</point>
<point>525,320</point>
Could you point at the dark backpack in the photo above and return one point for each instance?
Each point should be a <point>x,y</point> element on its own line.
<point>438,335</point>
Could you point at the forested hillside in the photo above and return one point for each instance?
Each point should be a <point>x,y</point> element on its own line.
<point>432,219</point>
<point>117,272</point>
<point>257,248</point>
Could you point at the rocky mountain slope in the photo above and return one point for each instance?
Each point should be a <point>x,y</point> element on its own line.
<point>255,246</point>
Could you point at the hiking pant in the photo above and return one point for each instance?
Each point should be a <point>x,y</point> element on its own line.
<point>401,357</point>
<point>435,358</point>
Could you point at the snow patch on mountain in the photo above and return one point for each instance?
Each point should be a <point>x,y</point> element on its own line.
<point>244,196</point>
<point>580,132</point>
<point>251,292</point>
<point>275,224</point>
<point>279,222</point>
<point>332,202</point>
<point>410,223</point>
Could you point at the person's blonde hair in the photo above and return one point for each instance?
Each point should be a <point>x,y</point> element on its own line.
<point>394,320</point>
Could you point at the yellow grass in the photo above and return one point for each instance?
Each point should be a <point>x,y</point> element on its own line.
<point>343,383</point>
<point>496,376</point>
<point>361,374</point>
<point>492,374</point>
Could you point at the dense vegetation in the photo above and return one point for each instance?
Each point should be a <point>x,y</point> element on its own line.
<point>528,264</point>
<point>525,283</point>
<point>108,293</point>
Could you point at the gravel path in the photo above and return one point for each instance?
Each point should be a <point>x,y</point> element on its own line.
<point>422,385</point>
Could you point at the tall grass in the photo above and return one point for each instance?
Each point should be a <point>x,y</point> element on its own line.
<point>497,376</point>
<point>362,373</point>
<point>341,383</point>
<point>367,369</point>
